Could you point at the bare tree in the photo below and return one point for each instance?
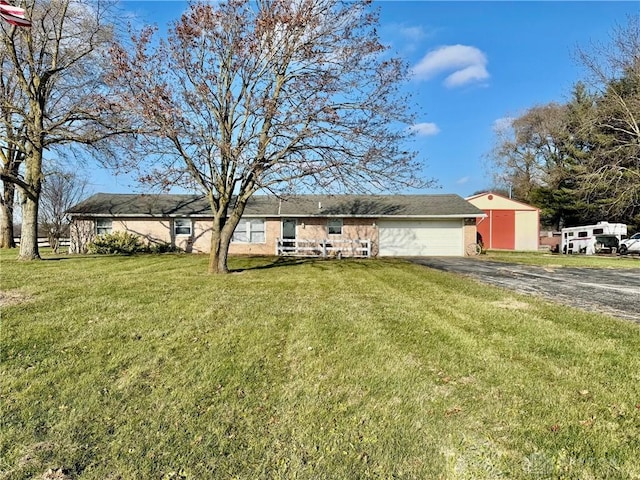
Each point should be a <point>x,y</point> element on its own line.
<point>612,174</point>
<point>543,155</point>
<point>270,95</point>
<point>580,161</point>
<point>529,149</point>
<point>12,131</point>
<point>56,67</point>
<point>61,190</point>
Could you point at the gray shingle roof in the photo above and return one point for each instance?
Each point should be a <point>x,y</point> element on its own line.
<point>127,204</point>
<point>132,205</point>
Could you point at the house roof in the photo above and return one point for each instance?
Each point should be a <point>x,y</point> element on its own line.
<point>143,205</point>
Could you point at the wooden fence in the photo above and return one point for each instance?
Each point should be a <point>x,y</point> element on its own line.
<point>44,242</point>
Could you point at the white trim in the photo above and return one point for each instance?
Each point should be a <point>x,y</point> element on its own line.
<point>388,217</point>
<point>269,216</point>
<point>341,220</point>
<point>108,230</point>
<point>175,226</point>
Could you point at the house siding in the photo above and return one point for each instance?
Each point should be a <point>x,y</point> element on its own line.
<point>159,231</point>
<point>314,228</point>
<point>150,231</point>
<point>200,241</point>
<point>272,232</point>
<point>309,228</point>
<point>469,235</point>
<point>81,232</point>
<point>352,229</point>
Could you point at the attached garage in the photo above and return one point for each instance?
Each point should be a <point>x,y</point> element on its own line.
<point>421,237</point>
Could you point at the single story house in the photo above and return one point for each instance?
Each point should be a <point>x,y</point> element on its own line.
<point>509,224</point>
<point>349,225</point>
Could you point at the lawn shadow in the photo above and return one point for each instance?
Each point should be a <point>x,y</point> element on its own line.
<point>279,262</point>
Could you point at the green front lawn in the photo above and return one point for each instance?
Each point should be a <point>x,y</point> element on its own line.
<point>146,367</point>
<point>558,260</point>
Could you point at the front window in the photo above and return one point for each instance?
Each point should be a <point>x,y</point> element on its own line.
<point>103,226</point>
<point>256,231</point>
<point>250,231</point>
<point>182,226</point>
<point>334,226</point>
<point>240,233</point>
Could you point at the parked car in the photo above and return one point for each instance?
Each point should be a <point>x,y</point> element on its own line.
<point>607,244</point>
<point>630,245</point>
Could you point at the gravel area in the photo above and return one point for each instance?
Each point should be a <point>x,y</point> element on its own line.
<point>609,291</point>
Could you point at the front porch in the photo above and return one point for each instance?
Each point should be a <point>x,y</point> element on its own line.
<point>324,248</point>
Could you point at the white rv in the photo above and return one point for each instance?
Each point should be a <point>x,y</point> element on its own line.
<point>592,239</point>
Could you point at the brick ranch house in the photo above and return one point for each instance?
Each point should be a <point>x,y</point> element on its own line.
<point>322,225</point>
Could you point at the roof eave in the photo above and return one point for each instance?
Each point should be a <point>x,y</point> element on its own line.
<point>258,215</point>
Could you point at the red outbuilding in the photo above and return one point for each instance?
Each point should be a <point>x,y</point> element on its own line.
<point>509,225</point>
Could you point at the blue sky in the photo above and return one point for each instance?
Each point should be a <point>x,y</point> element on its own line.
<point>472,64</point>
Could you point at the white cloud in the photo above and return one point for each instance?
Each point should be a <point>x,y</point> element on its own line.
<point>469,64</point>
<point>406,38</point>
<point>414,34</point>
<point>425,129</point>
<point>463,180</point>
<point>466,75</point>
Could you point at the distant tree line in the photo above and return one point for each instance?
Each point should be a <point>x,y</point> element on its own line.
<point>579,161</point>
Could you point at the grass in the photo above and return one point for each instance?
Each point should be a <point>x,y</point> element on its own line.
<point>145,367</point>
<point>557,260</point>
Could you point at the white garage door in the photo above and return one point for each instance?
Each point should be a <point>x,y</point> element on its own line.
<point>421,238</point>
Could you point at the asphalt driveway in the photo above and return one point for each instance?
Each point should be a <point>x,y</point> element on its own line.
<point>610,291</point>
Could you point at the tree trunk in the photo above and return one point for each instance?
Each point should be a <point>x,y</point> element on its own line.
<point>221,234</point>
<point>220,241</point>
<point>217,255</point>
<point>6,216</point>
<point>29,202</point>
<point>29,236</point>
<point>54,242</point>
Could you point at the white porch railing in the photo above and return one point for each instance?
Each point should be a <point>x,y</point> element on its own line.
<point>324,248</point>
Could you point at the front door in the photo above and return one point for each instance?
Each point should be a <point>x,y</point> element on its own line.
<point>289,236</point>
<point>289,229</point>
